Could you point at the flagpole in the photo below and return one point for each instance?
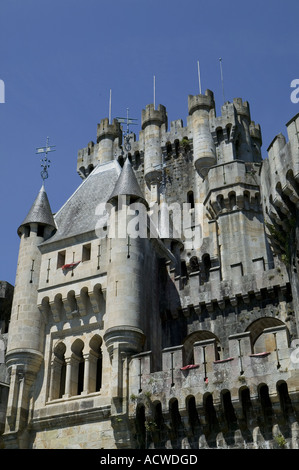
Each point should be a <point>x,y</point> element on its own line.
<point>110,98</point>
<point>154,92</point>
<point>221,74</point>
<point>198,72</point>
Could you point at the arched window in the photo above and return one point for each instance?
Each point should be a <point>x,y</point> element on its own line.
<point>96,364</point>
<point>200,335</point>
<point>58,372</point>
<point>232,200</point>
<point>78,366</point>
<point>220,138</point>
<point>256,329</point>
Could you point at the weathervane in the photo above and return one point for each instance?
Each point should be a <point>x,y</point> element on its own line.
<point>127,135</point>
<point>44,161</point>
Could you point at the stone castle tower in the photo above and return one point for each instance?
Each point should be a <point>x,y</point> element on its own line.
<point>159,307</point>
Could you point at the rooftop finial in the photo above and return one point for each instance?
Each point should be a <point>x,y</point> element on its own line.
<point>44,161</point>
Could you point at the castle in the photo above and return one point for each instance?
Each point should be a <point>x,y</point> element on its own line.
<point>159,307</point>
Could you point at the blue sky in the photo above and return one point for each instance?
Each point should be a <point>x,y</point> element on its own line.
<point>60,58</point>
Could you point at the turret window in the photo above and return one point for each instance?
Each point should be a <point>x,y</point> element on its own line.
<point>40,230</point>
<point>27,231</point>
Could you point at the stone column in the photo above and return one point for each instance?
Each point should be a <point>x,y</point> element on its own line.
<point>68,378</point>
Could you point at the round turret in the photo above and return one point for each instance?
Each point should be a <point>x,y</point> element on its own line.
<point>106,136</point>
<point>26,330</point>
<point>153,121</point>
<point>204,152</point>
<point>125,274</point>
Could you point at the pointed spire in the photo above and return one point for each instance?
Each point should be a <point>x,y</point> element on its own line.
<point>40,211</point>
<point>127,185</point>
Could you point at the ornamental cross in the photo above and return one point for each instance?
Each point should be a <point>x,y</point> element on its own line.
<point>127,136</point>
<point>44,161</point>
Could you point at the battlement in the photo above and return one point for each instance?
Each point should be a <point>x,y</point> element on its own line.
<point>242,108</point>
<point>106,130</point>
<point>207,372</point>
<point>255,132</point>
<point>205,101</point>
<point>150,115</point>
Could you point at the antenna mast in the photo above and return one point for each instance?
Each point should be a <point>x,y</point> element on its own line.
<point>198,72</point>
<point>221,74</point>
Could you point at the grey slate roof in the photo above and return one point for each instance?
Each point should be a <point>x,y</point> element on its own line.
<point>127,184</point>
<point>78,214</point>
<point>40,211</point>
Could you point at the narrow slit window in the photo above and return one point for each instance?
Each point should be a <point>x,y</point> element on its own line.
<point>190,199</point>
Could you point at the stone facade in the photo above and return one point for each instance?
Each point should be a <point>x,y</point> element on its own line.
<point>168,330</point>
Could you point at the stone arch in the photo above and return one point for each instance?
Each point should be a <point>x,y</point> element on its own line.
<point>96,360</point>
<point>256,329</point>
<point>58,371</point>
<point>78,364</point>
<point>232,198</point>
<point>220,202</point>
<point>71,302</point>
<point>199,335</point>
<point>246,199</point>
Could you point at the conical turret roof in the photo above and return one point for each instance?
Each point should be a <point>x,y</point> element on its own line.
<point>40,211</point>
<point>127,184</point>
